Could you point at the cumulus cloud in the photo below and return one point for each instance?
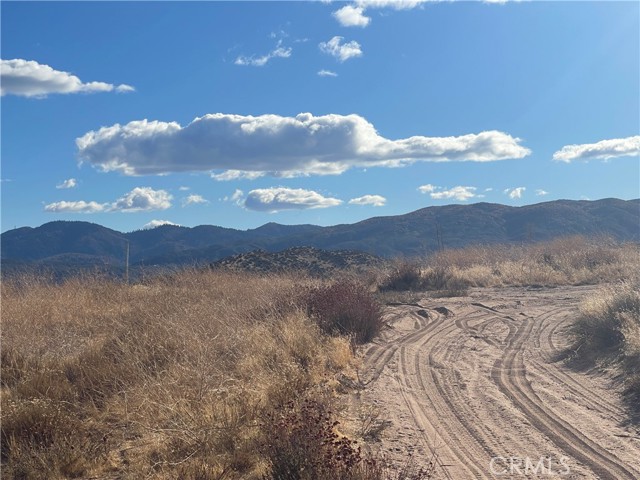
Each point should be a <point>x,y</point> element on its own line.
<point>137,200</point>
<point>327,73</point>
<point>75,207</point>
<point>374,200</point>
<point>515,192</point>
<point>541,193</point>
<point>69,183</point>
<point>341,51</point>
<point>194,200</point>
<point>277,146</point>
<point>603,150</point>
<point>280,198</point>
<point>28,78</point>
<point>261,61</point>
<point>351,16</point>
<point>142,199</point>
<point>158,223</point>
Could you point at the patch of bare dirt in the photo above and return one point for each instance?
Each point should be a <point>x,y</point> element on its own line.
<point>474,383</point>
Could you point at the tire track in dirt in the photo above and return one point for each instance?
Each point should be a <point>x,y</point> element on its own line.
<point>461,387</point>
<point>509,375</point>
<point>544,335</point>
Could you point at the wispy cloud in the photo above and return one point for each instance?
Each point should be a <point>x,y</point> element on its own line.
<point>341,51</point>
<point>158,223</point>
<point>541,193</point>
<point>237,197</point>
<point>229,175</point>
<point>280,198</point>
<point>262,60</point>
<point>69,183</point>
<point>75,207</point>
<point>140,199</point>
<point>514,193</point>
<point>460,193</point>
<point>194,200</point>
<point>373,200</point>
<point>603,150</point>
<point>28,78</point>
<point>278,146</point>
<point>327,73</point>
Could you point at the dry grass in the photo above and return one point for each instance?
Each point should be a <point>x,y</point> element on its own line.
<point>608,331</point>
<point>566,261</point>
<point>174,378</point>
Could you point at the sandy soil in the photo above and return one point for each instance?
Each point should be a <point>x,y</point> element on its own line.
<point>473,384</point>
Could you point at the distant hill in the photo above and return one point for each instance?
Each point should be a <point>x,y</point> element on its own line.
<point>63,244</point>
<point>313,261</point>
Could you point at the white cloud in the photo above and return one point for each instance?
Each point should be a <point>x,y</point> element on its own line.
<point>158,223</point>
<point>261,61</point>
<point>184,189</point>
<point>603,150</point>
<point>327,73</point>
<point>69,183</point>
<point>515,192</point>
<point>541,192</point>
<point>28,78</point>
<point>395,4</point>
<point>75,207</point>
<point>341,51</point>
<point>428,188</point>
<point>137,200</point>
<point>236,175</point>
<point>194,200</point>
<point>278,146</point>
<point>459,193</point>
<point>374,200</point>
<point>142,199</point>
<point>237,197</point>
<point>351,16</point>
<point>280,198</point>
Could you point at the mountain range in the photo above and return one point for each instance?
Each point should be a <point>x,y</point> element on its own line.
<point>69,245</point>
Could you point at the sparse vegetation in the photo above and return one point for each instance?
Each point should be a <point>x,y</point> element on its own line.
<point>608,331</point>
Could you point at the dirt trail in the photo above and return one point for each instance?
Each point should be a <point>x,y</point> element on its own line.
<point>476,386</point>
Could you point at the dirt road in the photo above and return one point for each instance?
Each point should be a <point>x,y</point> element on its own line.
<point>474,384</point>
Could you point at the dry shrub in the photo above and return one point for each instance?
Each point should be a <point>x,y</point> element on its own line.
<point>302,444</point>
<point>346,308</point>
<point>405,275</point>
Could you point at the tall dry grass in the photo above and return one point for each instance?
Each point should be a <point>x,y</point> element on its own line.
<point>179,377</point>
<point>608,331</point>
<point>565,261</point>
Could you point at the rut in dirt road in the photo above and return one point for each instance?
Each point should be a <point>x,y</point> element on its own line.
<point>472,384</point>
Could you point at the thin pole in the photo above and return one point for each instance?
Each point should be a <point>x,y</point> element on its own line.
<point>126,265</point>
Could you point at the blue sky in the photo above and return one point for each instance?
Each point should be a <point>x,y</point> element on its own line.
<point>322,113</point>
